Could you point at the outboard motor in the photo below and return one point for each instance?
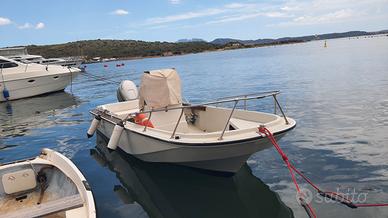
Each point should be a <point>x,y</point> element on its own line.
<point>127,91</point>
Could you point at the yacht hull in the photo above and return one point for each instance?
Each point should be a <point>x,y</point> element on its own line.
<point>33,86</point>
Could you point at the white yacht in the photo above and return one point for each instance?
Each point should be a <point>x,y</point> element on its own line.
<point>150,126</point>
<point>66,62</point>
<point>27,58</point>
<point>37,59</point>
<point>20,80</point>
<point>20,54</point>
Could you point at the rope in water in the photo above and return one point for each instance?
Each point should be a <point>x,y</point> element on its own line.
<point>308,208</point>
<point>328,194</point>
<point>100,78</point>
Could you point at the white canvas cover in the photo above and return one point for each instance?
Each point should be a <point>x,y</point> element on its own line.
<point>160,88</point>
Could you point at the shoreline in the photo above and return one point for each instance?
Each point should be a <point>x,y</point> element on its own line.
<point>237,48</point>
<point>205,51</point>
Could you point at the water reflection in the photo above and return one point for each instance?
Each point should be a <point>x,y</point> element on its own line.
<point>165,190</point>
<point>338,95</point>
<point>20,116</point>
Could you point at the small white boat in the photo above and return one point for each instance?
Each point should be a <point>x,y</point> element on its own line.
<point>19,80</point>
<point>208,137</point>
<point>49,184</point>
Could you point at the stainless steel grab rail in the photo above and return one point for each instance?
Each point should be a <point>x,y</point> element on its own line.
<point>1,73</point>
<point>226,100</point>
<point>177,123</point>
<point>227,122</point>
<point>234,99</point>
<point>276,92</point>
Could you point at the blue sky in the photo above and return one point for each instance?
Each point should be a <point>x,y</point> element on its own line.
<point>25,22</point>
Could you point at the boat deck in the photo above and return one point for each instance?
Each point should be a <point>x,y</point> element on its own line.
<point>243,124</point>
<point>27,205</point>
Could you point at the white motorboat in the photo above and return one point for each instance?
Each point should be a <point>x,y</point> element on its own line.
<point>19,80</point>
<point>150,126</point>
<point>49,184</point>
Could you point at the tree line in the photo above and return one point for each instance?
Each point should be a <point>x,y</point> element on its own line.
<point>120,48</point>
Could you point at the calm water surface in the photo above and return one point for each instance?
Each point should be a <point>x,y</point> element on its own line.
<point>338,96</point>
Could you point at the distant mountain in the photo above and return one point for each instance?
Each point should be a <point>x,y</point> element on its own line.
<point>224,41</point>
<point>191,40</point>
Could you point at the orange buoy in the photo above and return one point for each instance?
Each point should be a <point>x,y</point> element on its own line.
<point>142,119</point>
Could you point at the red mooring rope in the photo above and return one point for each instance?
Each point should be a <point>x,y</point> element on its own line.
<point>328,194</point>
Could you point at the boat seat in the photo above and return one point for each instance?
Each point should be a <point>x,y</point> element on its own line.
<point>237,123</point>
<point>183,127</point>
<point>46,208</point>
<point>18,181</point>
<point>124,113</point>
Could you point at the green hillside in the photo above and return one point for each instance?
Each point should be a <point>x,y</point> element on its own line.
<point>120,48</point>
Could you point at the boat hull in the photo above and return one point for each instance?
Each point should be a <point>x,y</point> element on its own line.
<point>23,88</point>
<point>222,156</point>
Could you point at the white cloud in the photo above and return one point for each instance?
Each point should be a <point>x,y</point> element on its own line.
<point>317,12</point>
<point>4,21</point>
<point>157,27</point>
<point>289,8</point>
<point>120,12</point>
<point>288,12</point>
<point>236,5</point>
<point>336,16</point>
<point>276,14</point>
<point>25,26</point>
<point>235,18</point>
<point>39,26</point>
<point>184,16</point>
<point>247,16</point>
<point>246,11</point>
<point>232,12</point>
<point>175,2</point>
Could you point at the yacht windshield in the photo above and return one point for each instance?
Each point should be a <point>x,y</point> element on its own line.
<point>7,64</point>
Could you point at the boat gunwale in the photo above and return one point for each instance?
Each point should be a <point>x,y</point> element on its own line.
<point>18,161</point>
<point>191,144</point>
<point>65,166</point>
